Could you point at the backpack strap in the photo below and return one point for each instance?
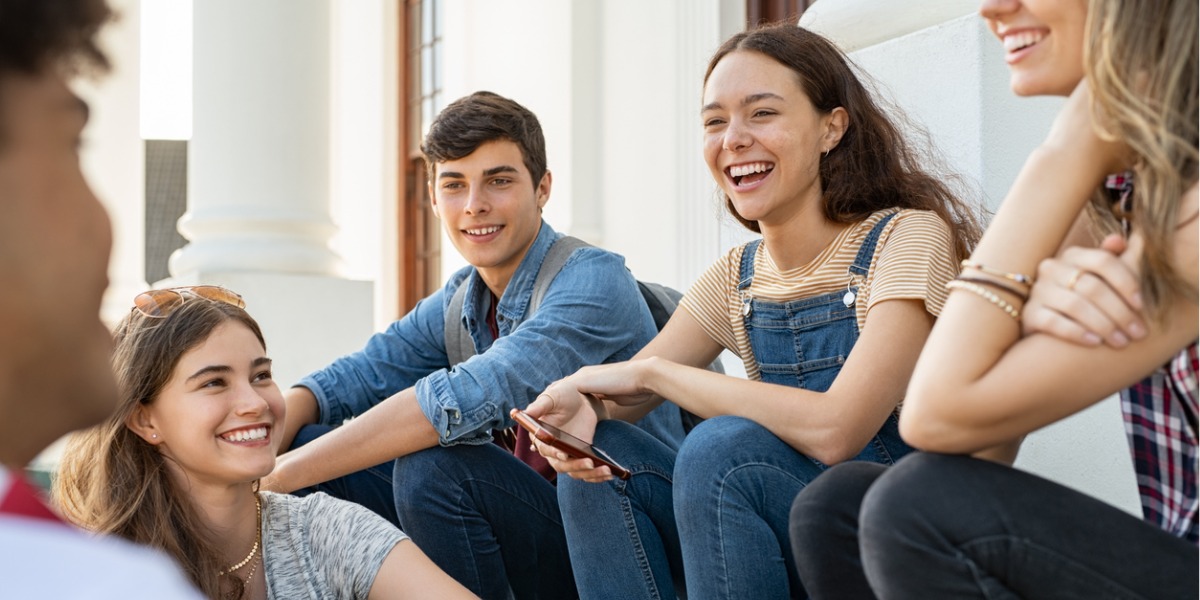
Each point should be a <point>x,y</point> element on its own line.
<point>556,257</point>
<point>459,345</point>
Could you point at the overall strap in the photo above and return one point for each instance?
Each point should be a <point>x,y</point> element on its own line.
<point>746,269</point>
<point>862,262</point>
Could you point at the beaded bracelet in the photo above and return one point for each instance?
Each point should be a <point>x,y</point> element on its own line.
<point>996,284</point>
<point>1017,277</point>
<point>986,294</point>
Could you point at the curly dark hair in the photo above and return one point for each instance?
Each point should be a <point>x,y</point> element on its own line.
<point>873,167</point>
<point>471,121</point>
<point>36,34</point>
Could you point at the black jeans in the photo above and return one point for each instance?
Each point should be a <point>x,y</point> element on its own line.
<point>936,526</point>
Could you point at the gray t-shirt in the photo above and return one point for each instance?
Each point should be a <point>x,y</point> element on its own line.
<point>321,547</point>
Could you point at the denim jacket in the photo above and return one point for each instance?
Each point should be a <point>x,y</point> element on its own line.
<point>592,313</point>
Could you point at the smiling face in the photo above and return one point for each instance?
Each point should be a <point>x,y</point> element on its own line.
<point>1043,42</point>
<point>763,139</point>
<point>491,208</point>
<point>215,417</point>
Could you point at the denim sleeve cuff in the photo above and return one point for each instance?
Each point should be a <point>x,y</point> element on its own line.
<point>330,410</point>
<point>454,426</point>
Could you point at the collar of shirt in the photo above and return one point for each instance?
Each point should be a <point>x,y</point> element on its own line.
<point>20,499</point>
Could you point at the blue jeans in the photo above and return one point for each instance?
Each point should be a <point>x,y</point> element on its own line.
<point>484,517</point>
<point>734,486</point>
<point>622,534</point>
<point>720,507</point>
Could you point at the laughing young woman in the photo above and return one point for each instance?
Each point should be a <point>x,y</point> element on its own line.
<point>828,312</point>
<point>950,525</point>
<point>176,468</point>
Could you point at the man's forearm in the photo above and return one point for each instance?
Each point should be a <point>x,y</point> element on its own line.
<point>393,428</point>
<point>302,409</point>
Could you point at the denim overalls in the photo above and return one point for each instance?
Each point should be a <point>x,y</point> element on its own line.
<point>804,343</point>
<point>719,505</point>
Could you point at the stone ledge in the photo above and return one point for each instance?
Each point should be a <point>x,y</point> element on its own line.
<point>857,24</point>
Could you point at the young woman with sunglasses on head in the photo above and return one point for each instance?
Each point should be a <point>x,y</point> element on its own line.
<point>1124,319</point>
<point>828,312</point>
<point>176,468</point>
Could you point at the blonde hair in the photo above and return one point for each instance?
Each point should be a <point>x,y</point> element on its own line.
<point>111,481</point>
<point>1141,61</point>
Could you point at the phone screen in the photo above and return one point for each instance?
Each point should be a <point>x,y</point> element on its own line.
<point>549,434</point>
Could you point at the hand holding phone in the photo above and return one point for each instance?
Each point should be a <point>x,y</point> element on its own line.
<point>573,446</point>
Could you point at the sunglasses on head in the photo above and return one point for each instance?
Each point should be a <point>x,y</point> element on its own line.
<point>159,304</point>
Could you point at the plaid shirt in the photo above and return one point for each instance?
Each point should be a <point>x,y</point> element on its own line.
<point>1160,420</point>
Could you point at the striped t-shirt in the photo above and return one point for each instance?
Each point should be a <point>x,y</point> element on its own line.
<point>913,260</point>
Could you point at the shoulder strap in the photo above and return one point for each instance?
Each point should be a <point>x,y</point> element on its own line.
<point>746,266</point>
<point>459,346</point>
<point>556,257</point>
<point>866,251</point>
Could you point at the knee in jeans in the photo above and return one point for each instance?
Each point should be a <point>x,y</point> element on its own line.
<point>838,490</point>
<point>415,472</point>
<point>907,495</point>
<point>708,444</point>
<point>573,492</point>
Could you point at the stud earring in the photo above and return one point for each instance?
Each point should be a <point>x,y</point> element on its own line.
<point>154,436</point>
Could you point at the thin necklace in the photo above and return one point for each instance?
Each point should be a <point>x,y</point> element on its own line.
<point>250,575</point>
<point>257,539</point>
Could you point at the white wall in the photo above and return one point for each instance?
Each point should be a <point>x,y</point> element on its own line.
<point>616,86</point>
<point>113,157</point>
<point>520,49</point>
<point>364,137</point>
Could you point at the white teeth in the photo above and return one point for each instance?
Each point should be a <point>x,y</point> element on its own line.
<point>247,435</point>
<point>484,231</point>
<point>1016,41</point>
<point>741,170</point>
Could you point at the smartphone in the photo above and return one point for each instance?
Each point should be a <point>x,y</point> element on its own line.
<point>573,446</point>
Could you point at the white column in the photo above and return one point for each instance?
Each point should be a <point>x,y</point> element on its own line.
<point>258,191</point>
<point>258,217</point>
<point>942,66</point>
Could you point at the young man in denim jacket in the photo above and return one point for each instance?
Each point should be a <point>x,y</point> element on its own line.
<point>430,446</point>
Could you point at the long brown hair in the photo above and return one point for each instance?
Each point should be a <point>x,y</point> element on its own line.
<point>873,167</point>
<point>113,482</point>
<point>1141,61</point>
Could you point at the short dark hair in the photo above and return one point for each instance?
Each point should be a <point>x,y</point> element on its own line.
<point>471,121</point>
<point>40,34</point>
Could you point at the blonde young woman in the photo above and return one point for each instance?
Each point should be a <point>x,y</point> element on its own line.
<point>177,468</point>
<point>951,526</point>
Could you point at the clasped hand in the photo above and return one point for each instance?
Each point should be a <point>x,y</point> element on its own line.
<point>1089,296</point>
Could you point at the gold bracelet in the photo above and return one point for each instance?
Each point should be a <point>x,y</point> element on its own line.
<point>986,294</point>
<point>1017,277</point>
<point>1022,296</point>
